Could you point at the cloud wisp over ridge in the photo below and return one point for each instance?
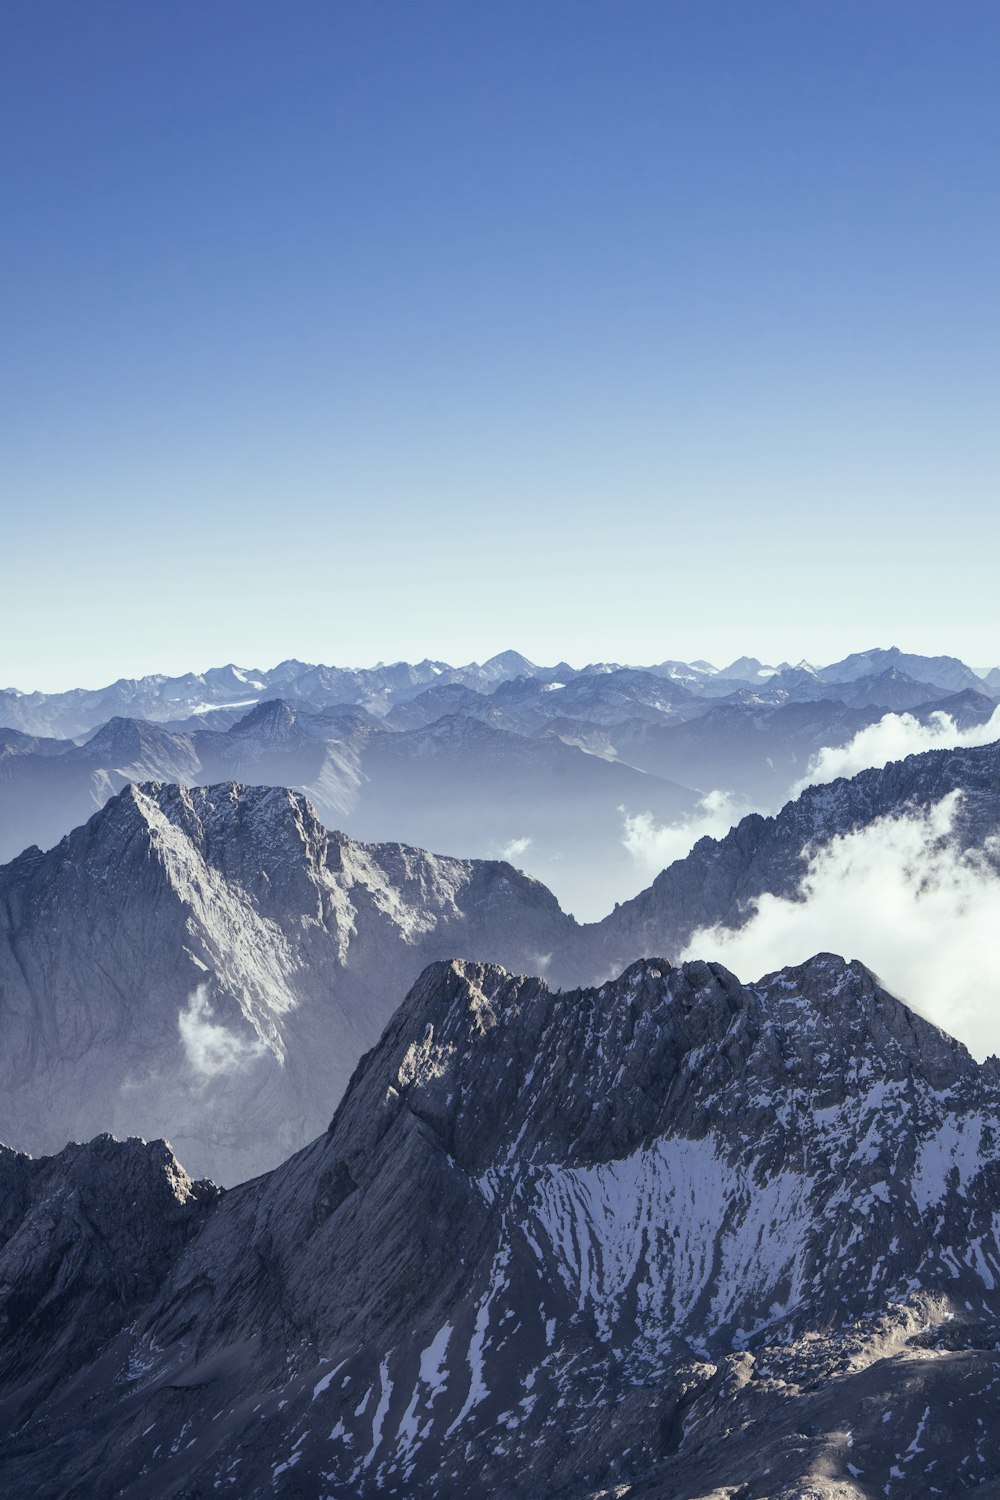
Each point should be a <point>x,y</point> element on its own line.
<point>654,845</point>
<point>900,895</point>
<point>894,737</point>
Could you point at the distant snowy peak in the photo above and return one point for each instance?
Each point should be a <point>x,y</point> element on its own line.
<point>387,686</point>
<point>944,671</point>
<point>505,664</point>
<point>271,722</point>
<point>748,669</point>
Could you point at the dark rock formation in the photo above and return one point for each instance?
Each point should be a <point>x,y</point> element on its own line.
<point>669,1238</point>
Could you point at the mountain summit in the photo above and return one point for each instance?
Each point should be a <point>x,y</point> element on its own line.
<point>670,1237</point>
<point>210,963</point>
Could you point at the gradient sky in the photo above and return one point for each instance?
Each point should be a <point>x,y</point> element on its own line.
<point>602,329</point>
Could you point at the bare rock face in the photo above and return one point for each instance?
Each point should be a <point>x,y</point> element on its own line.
<point>86,1239</point>
<point>210,964</point>
<point>671,1237</point>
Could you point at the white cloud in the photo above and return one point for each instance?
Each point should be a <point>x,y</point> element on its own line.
<point>892,738</point>
<point>899,895</point>
<point>212,1049</point>
<point>654,846</point>
<point>513,850</point>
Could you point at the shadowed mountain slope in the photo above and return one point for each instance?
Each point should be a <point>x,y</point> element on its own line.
<point>672,1237</point>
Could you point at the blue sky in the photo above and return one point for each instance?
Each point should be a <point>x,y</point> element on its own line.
<point>432,327</point>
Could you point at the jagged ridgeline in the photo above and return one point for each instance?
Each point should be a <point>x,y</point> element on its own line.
<point>670,1237</point>
<point>209,964</point>
<point>419,692</point>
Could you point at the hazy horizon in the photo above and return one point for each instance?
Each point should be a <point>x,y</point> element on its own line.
<point>56,681</point>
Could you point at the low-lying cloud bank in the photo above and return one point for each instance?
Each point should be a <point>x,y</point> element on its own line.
<point>892,738</point>
<point>904,899</point>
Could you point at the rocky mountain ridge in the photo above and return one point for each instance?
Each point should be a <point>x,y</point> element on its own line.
<point>86,1240</point>
<point>210,964</point>
<point>671,1237</point>
<point>719,880</point>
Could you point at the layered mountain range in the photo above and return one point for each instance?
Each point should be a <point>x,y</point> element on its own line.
<point>384,688</point>
<point>547,766</point>
<point>457,784</point>
<point>210,963</point>
<point>630,1230</point>
<point>671,1237</point>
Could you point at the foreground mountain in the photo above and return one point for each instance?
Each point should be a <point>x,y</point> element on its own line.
<point>674,1237</point>
<point>87,1238</point>
<point>210,964</point>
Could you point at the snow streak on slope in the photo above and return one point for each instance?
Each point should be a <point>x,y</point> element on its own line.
<point>679,1224</point>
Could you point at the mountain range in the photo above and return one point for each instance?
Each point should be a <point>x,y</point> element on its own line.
<point>210,963</point>
<point>457,783</point>
<point>549,767</point>
<point>588,1222</point>
<point>670,1237</point>
<point>381,689</point>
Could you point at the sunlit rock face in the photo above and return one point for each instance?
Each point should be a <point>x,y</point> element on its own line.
<point>209,964</point>
<point>674,1236</point>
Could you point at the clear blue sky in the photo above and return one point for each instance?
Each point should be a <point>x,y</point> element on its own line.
<point>598,328</point>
